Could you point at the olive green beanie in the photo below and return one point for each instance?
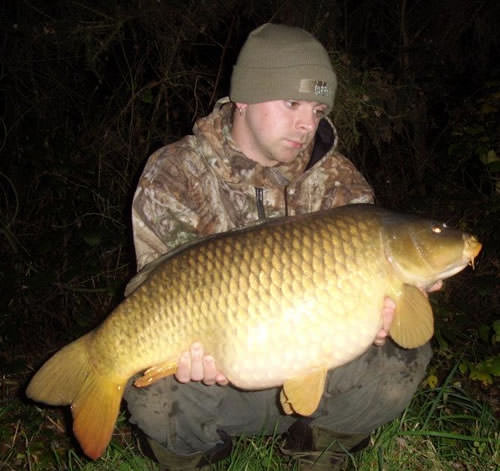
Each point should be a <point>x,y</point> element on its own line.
<point>279,62</point>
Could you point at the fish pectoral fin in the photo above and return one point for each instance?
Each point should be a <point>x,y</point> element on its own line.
<point>302,395</point>
<point>155,373</point>
<point>413,323</point>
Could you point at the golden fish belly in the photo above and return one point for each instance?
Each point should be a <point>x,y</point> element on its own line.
<point>267,353</point>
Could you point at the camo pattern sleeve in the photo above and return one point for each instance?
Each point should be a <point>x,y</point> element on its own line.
<point>169,207</point>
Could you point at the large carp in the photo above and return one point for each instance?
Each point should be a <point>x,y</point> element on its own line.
<point>276,304</point>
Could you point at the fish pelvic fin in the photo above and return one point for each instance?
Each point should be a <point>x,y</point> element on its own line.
<point>413,323</point>
<point>155,373</point>
<point>302,395</point>
<point>68,377</point>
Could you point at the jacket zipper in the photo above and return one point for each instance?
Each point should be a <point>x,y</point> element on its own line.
<point>259,195</point>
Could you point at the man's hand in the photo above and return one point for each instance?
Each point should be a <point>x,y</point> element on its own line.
<point>436,286</point>
<point>196,366</point>
<point>388,310</point>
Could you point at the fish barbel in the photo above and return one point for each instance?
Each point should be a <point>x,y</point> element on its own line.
<point>276,304</point>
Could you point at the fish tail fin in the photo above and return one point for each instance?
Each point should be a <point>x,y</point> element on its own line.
<point>61,377</point>
<point>94,413</point>
<point>68,377</point>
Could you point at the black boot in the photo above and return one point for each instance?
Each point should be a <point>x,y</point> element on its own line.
<point>318,449</point>
<point>170,461</point>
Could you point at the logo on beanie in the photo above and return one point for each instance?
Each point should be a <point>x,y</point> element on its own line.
<point>318,87</point>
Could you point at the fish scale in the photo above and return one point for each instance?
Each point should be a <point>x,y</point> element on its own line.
<point>277,304</point>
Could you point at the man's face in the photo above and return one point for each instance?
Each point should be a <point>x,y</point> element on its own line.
<point>277,131</point>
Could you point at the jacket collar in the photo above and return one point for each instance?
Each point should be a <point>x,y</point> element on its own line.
<point>225,158</point>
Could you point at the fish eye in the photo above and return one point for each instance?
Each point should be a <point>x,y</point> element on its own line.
<point>437,229</point>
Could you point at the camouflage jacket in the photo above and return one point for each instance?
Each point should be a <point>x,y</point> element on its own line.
<point>203,184</point>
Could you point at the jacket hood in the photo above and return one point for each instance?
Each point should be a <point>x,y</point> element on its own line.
<point>224,156</point>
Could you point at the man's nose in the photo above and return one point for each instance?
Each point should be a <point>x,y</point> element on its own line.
<point>306,120</point>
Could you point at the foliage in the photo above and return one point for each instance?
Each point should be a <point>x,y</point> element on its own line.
<point>476,140</point>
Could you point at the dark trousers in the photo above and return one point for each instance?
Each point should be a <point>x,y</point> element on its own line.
<point>359,396</point>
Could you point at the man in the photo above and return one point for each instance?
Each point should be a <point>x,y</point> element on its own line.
<point>268,151</point>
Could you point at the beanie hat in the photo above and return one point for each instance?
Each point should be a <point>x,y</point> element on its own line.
<point>279,62</point>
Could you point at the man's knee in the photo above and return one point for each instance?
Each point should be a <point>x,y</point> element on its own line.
<point>180,417</point>
<point>373,389</point>
<point>405,369</point>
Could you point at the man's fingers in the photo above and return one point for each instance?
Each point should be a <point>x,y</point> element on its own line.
<point>388,309</point>
<point>196,366</point>
<point>388,313</point>
<point>212,376</point>
<point>436,286</point>
<point>221,380</point>
<point>197,373</point>
<point>209,370</point>
<point>183,373</point>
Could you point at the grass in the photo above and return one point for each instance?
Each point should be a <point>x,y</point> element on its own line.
<point>444,428</point>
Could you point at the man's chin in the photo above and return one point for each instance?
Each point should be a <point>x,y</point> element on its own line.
<point>286,157</point>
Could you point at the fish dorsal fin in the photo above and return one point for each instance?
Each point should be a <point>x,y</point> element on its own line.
<point>143,275</point>
<point>302,395</point>
<point>413,323</point>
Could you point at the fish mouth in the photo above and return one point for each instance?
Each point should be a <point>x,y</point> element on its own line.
<point>472,247</point>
